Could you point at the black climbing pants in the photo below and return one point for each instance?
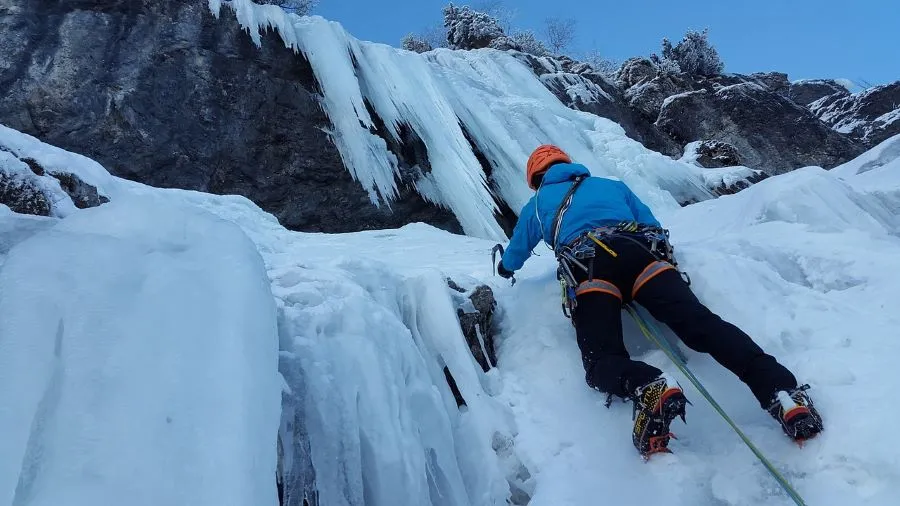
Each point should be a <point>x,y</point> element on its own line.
<point>598,323</point>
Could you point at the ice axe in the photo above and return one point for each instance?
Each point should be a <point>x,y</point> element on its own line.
<point>494,251</point>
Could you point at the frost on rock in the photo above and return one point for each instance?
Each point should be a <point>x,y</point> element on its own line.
<point>872,115</point>
<point>457,103</point>
<point>475,310</point>
<point>470,29</point>
<point>25,192</point>
<point>55,161</point>
<point>39,179</point>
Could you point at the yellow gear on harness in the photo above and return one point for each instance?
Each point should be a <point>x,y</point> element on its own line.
<point>602,245</point>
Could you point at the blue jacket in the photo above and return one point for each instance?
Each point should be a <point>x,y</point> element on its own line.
<point>598,202</point>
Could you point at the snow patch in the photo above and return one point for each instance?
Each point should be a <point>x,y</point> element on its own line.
<point>886,154</point>
<point>56,160</point>
<point>671,98</point>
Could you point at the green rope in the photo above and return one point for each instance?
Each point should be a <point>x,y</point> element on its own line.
<point>643,324</point>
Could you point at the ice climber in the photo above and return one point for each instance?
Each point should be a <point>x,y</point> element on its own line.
<point>612,251</point>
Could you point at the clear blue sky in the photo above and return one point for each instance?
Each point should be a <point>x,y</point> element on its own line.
<point>853,39</point>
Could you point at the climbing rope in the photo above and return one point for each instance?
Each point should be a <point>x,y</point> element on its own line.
<point>650,331</point>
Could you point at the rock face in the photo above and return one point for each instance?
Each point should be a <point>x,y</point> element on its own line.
<point>666,110</point>
<point>870,116</point>
<point>164,93</point>
<point>773,133</point>
<point>715,154</point>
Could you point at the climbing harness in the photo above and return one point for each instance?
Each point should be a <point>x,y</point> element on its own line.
<point>580,252</point>
<point>652,333</point>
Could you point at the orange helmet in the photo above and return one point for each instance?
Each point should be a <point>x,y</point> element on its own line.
<point>541,160</point>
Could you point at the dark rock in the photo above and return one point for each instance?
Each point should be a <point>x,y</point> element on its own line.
<point>35,167</point>
<point>166,94</point>
<point>772,133</point>
<point>806,92</point>
<point>871,116</point>
<point>740,184</point>
<point>82,194</point>
<point>713,154</point>
<point>23,196</point>
<point>475,311</point>
<point>454,388</point>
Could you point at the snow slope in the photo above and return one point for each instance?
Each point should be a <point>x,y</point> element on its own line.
<point>806,264</point>
<point>443,96</point>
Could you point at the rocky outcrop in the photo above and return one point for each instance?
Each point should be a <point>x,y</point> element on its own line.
<point>715,154</point>
<point>82,194</point>
<point>806,92</point>
<point>771,132</point>
<point>648,96</point>
<point>475,310</point>
<point>665,109</point>
<point>166,94</point>
<point>23,195</point>
<point>26,187</point>
<point>870,116</point>
<point>776,82</point>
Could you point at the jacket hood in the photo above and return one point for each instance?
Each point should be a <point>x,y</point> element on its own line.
<point>561,172</point>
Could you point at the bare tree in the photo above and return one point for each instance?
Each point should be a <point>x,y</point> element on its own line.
<point>435,35</point>
<point>299,7</point>
<point>560,33</point>
<point>600,63</point>
<point>499,10</point>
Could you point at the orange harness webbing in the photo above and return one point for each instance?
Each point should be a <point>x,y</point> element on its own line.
<point>598,286</point>
<point>651,271</point>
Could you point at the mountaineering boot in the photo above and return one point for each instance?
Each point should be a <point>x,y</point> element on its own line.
<point>656,404</point>
<point>797,414</point>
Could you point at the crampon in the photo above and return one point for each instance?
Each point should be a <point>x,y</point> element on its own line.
<point>797,414</point>
<point>656,404</point>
